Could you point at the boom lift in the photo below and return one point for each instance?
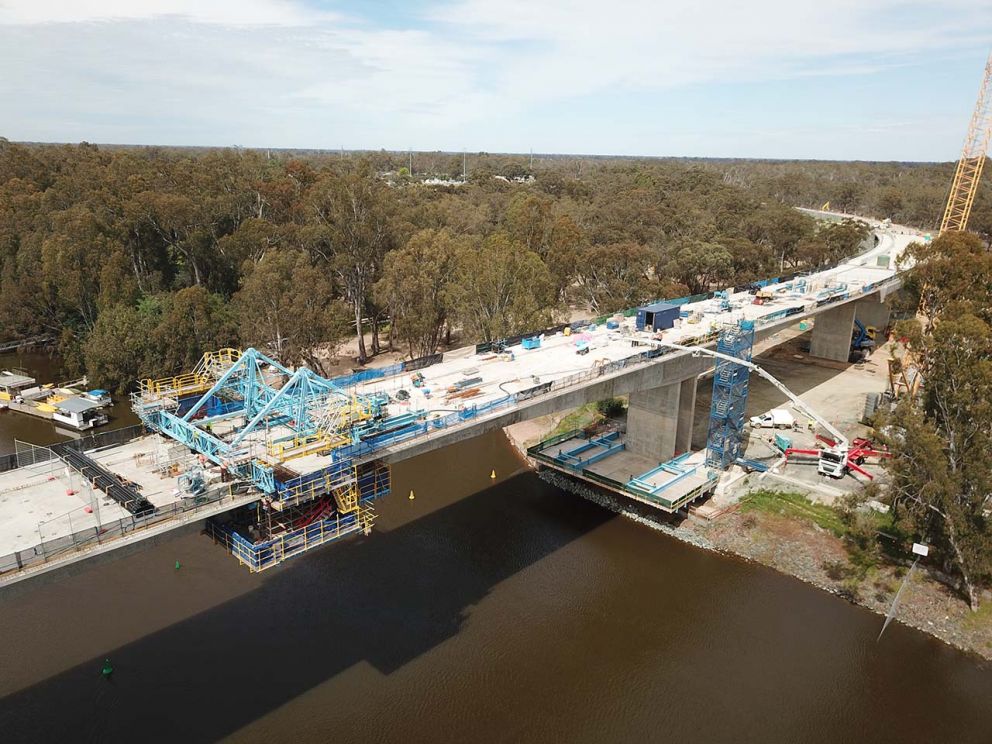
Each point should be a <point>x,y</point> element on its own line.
<point>837,458</point>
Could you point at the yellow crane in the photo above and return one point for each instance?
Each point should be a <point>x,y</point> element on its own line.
<point>969,170</point>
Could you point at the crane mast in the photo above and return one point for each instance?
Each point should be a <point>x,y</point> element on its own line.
<point>969,170</point>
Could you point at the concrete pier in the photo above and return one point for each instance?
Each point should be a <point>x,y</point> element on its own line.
<point>872,312</point>
<point>687,410</point>
<point>832,333</point>
<point>659,421</point>
<point>834,329</point>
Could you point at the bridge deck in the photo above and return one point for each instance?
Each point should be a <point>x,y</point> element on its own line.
<point>488,378</point>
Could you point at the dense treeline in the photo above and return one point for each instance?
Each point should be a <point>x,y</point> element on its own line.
<point>942,440</point>
<point>139,259</point>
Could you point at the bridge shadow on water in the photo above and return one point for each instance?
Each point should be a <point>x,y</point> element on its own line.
<point>384,600</point>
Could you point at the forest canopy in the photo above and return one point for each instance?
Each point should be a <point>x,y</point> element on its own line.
<point>136,260</point>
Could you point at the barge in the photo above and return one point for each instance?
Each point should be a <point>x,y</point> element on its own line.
<point>63,404</point>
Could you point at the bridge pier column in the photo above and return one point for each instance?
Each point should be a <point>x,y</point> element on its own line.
<point>832,333</point>
<point>653,422</point>
<point>687,411</point>
<point>871,312</point>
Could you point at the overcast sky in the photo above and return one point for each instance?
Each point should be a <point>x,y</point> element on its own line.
<point>842,79</point>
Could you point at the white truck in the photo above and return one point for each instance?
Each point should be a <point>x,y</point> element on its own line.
<point>778,418</point>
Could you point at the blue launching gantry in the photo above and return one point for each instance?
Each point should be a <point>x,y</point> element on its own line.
<point>286,434</point>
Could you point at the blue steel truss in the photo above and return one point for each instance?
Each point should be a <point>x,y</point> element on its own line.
<point>730,383</point>
<point>243,390</point>
<point>245,381</point>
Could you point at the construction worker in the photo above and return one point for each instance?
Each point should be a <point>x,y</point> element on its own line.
<point>811,425</point>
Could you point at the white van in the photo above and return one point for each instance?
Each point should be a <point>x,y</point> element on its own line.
<point>776,419</point>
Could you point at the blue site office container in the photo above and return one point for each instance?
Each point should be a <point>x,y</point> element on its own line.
<point>657,317</point>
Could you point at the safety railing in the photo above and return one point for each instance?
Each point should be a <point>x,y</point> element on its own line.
<point>63,546</point>
<point>176,386</point>
<point>266,554</point>
<point>214,362</point>
<point>300,446</point>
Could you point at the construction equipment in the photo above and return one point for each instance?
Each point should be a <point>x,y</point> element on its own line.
<point>835,459</point>
<point>969,171</point>
<point>778,418</point>
<point>859,452</point>
<point>863,337</point>
<point>763,296</point>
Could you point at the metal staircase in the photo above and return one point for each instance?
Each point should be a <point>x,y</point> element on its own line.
<point>730,388</point>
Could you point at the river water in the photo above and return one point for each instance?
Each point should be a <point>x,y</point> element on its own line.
<point>45,368</point>
<point>479,611</point>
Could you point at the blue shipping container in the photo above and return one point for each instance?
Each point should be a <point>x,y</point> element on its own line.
<point>657,317</point>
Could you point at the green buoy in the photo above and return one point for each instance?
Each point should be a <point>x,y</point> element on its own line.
<point>107,668</point>
<point>177,565</point>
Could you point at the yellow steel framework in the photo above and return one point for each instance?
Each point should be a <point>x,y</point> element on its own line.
<point>299,446</point>
<point>346,494</point>
<point>200,380</point>
<point>969,170</point>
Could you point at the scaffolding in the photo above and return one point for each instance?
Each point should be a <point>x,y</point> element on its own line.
<point>730,387</point>
<point>276,534</point>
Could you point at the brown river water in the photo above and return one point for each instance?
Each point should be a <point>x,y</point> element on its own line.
<point>477,612</point>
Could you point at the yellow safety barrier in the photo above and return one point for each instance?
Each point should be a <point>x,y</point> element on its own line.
<point>179,385</point>
<point>304,445</point>
<point>200,380</point>
<point>220,358</point>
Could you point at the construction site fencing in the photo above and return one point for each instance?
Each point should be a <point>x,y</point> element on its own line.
<point>488,346</point>
<point>26,453</point>
<point>64,545</point>
<point>866,245</point>
<point>107,438</point>
<point>365,375</point>
<point>422,362</point>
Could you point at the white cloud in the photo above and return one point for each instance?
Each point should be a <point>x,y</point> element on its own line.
<point>575,47</point>
<point>473,73</point>
<point>227,12</point>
